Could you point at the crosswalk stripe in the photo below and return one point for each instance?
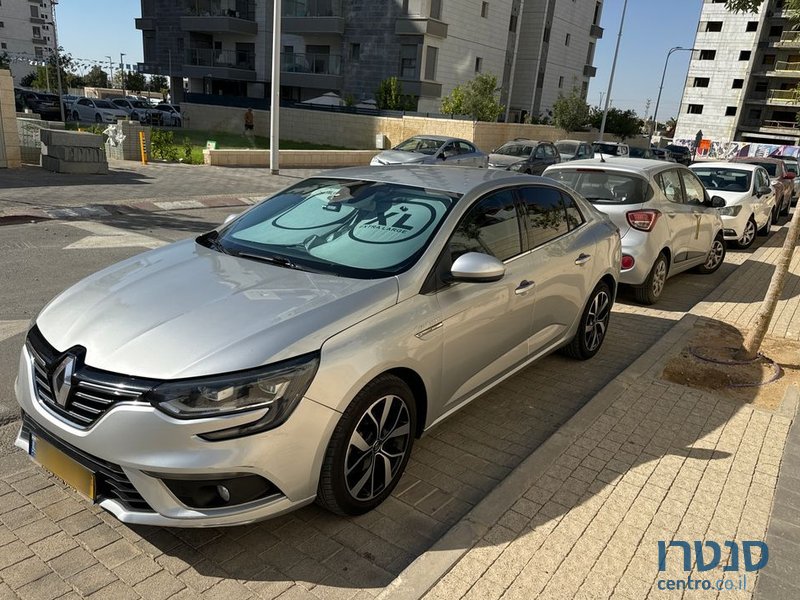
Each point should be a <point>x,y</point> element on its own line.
<point>11,328</point>
<point>107,236</point>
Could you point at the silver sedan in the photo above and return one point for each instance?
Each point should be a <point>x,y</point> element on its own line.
<point>433,150</point>
<point>295,352</point>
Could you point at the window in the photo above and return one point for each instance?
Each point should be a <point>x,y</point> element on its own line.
<point>769,59</point>
<point>701,82</point>
<point>574,216</point>
<point>35,12</point>
<point>708,54</point>
<point>3,45</point>
<point>695,193</point>
<point>478,64</point>
<point>670,184</point>
<point>761,86</point>
<point>776,31</point>
<point>436,9</point>
<point>355,51</point>
<point>550,151</point>
<point>752,26</point>
<point>730,111</point>
<point>755,113</point>
<point>485,10</point>
<point>714,26</point>
<point>737,84</point>
<point>512,23</point>
<point>37,33</point>
<point>465,148</point>
<point>408,61</point>
<point>539,152</point>
<point>744,55</point>
<point>430,63</point>
<point>545,214</point>
<point>695,109</point>
<point>546,36</point>
<point>561,82</point>
<point>566,40</point>
<point>491,227</point>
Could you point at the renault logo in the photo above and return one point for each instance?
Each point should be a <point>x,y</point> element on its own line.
<point>62,380</point>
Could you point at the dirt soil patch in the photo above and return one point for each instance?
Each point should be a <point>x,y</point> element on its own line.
<point>740,382</point>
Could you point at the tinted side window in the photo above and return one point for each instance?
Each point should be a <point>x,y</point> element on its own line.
<point>466,148</point>
<point>491,227</point>
<point>545,214</point>
<point>549,151</point>
<point>670,184</point>
<point>695,192</point>
<point>539,152</point>
<point>574,217</point>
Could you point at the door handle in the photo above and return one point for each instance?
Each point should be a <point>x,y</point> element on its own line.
<point>583,259</point>
<point>524,287</point>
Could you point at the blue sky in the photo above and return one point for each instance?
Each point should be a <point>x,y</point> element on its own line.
<point>652,27</point>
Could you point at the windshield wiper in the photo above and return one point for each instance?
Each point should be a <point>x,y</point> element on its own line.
<point>211,240</point>
<point>272,259</point>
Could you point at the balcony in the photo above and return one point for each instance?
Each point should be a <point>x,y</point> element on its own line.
<point>420,26</point>
<point>783,67</point>
<point>313,16</point>
<point>311,70</point>
<point>770,126</point>
<point>788,39</point>
<point>783,97</point>
<point>39,40</point>
<point>589,71</point>
<point>596,31</point>
<point>222,64</point>
<point>145,23</point>
<point>37,20</point>
<point>236,17</point>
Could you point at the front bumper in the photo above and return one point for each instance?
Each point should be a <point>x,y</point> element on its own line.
<point>733,227</point>
<point>145,444</point>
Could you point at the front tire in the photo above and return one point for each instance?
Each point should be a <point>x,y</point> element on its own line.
<point>715,256</point>
<point>593,325</point>
<point>98,118</point>
<point>650,291</point>
<point>369,448</point>
<point>748,235</point>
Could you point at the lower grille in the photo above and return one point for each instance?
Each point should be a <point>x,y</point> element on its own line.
<point>111,481</point>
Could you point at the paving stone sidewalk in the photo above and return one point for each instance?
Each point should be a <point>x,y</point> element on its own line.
<point>645,461</point>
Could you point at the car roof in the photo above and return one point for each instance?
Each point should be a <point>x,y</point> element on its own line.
<point>441,138</point>
<point>610,143</point>
<point>450,179</point>
<point>645,167</point>
<point>570,142</point>
<point>726,163</point>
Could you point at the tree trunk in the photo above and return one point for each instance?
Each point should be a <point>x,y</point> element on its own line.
<point>752,343</point>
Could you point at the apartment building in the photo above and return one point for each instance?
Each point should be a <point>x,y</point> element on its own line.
<point>743,77</point>
<point>535,48</point>
<point>26,34</point>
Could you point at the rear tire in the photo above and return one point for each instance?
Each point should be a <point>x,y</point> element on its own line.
<point>593,325</point>
<point>748,236</point>
<point>715,257</point>
<point>649,292</point>
<point>98,118</point>
<point>369,448</point>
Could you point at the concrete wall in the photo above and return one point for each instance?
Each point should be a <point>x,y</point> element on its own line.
<point>359,131</point>
<point>289,159</point>
<point>9,137</point>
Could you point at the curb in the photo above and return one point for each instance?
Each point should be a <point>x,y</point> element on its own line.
<point>422,574</point>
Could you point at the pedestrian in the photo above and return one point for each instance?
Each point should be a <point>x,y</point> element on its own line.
<point>249,126</point>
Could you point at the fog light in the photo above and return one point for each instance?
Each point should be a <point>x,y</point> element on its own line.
<point>224,493</point>
<point>627,262</point>
<point>218,491</point>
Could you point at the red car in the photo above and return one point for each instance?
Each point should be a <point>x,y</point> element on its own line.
<point>781,179</point>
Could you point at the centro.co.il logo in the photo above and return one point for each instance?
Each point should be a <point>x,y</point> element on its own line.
<point>747,556</point>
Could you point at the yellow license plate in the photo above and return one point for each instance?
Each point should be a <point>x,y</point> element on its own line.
<point>62,466</point>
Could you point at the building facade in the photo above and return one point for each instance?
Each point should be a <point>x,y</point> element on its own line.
<point>26,34</point>
<point>536,48</point>
<point>743,77</point>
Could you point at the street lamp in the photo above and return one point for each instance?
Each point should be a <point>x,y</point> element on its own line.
<point>661,87</point>
<point>122,72</point>
<point>58,60</point>
<point>613,68</point>
<point>274,134</point>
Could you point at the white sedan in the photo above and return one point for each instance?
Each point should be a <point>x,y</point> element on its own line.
<point>749,198</point>
<point>97,110</point>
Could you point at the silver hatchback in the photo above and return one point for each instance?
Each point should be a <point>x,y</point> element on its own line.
<point>295,352</point>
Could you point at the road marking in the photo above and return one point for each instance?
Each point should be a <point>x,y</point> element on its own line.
<point>106,236</point>
<point>177,204</point>
<point>80,211</point>
<point>9,329</point>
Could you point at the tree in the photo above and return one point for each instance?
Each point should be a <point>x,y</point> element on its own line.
<point>5,63</point>
<point>135,82</point>
<point>157,83</point>
<point>389,96</point>
<point>27,80</point>
<point>96,77</point>
<point>571,112</point>
<point>476,98</point>
<point>47,77</point>
<point>754,5</point>
<point>622,123</point>
<point>669,127</point>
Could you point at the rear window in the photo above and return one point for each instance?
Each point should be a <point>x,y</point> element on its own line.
<point>772,168</point>
<point>723,179</point>
<point>604,187</point>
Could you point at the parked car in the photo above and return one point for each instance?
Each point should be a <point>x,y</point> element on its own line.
<point>610,149</point>
<point>43,104</point>
<point>524,156</point>
<point>667,221</point>
<point>170,114</point>
<point>67,100</point>
<point>781,178</point>
<point>296,351</point>
<point>681,154</point>
<point>136,109</point>
<point>574,150</point>
<point>793,167</point>
<point>641,153</point>
<point>748,194</point>
<point>433,149</point>
<point>97,110</point>
<point>662,154</point>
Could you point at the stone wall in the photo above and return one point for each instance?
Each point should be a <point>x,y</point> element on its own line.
<point>9,137</point>
<point>289,159</point>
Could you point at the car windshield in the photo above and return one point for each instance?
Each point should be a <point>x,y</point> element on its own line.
<point>514,149</point>
<point>138,104</point>
<point>103,104</point>
<point>771,168</point>
<point>359,229</point>
<point>421,145</point>
<point>605,148</point>
<point>599,186</point>
<point>567,147</point>
<point>723,179</point>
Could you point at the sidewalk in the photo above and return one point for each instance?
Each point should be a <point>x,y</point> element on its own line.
<point>644,461</point>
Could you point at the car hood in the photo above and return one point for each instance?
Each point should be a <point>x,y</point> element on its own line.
<point>394,157</point>
<point>185,310</point>
<point>731,198</point>
<point>504,160</point>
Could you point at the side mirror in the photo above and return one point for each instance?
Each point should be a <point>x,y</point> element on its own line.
<point>229,218</point>
<point>717,202</point>
<point>476,267</point>
<point>763,191</point>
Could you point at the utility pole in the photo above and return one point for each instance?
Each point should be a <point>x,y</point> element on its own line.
<point>110,71</point>
<point>613,68</point>
<point>122,72</point>
<point>274,119</point>
<point>601,98</point>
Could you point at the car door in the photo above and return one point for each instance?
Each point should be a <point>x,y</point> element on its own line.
<point>538,160</point>
<point>561,261</point>
<point>766,199</point>
<point>707,217</point>
<point>449,154</point>
<point>681,221</point>
<point>468,156</point>
<point>486,325</point>
<point>552,157</point>
<point>85,109</point>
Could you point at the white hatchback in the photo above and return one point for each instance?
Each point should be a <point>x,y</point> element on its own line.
<point>748,194</point>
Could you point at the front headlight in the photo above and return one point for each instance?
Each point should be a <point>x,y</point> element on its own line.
<point>730,211</point>
<point>277,387</point>
<point>517,166</point>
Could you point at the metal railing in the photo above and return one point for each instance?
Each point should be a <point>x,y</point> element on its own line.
<point>321,64</point>
<point>781,124</point>
<point>784,65</point>
<point>312,8</point>
<point>789,37</point>
<point>208,57</point>
<point>240,9</point>
<point>787,96</point>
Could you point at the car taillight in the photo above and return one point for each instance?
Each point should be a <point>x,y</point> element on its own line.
<point>627,262</point>
<point>643,220</point>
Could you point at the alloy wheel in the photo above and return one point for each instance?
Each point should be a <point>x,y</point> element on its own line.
<point>377,448</point>
<point>748,235</point>
<point>597,320</point>
<point>659,278</point>
<point>715,255</point>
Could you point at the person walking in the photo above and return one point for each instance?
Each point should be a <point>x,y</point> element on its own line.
<point>249,126</point>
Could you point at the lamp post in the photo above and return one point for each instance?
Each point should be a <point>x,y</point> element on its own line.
<point>122,72</point>
<point>58,60</point>
<point>660,87</point>
<point>110,71</point>
<point>613,68</point>
<point>274,121</point>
